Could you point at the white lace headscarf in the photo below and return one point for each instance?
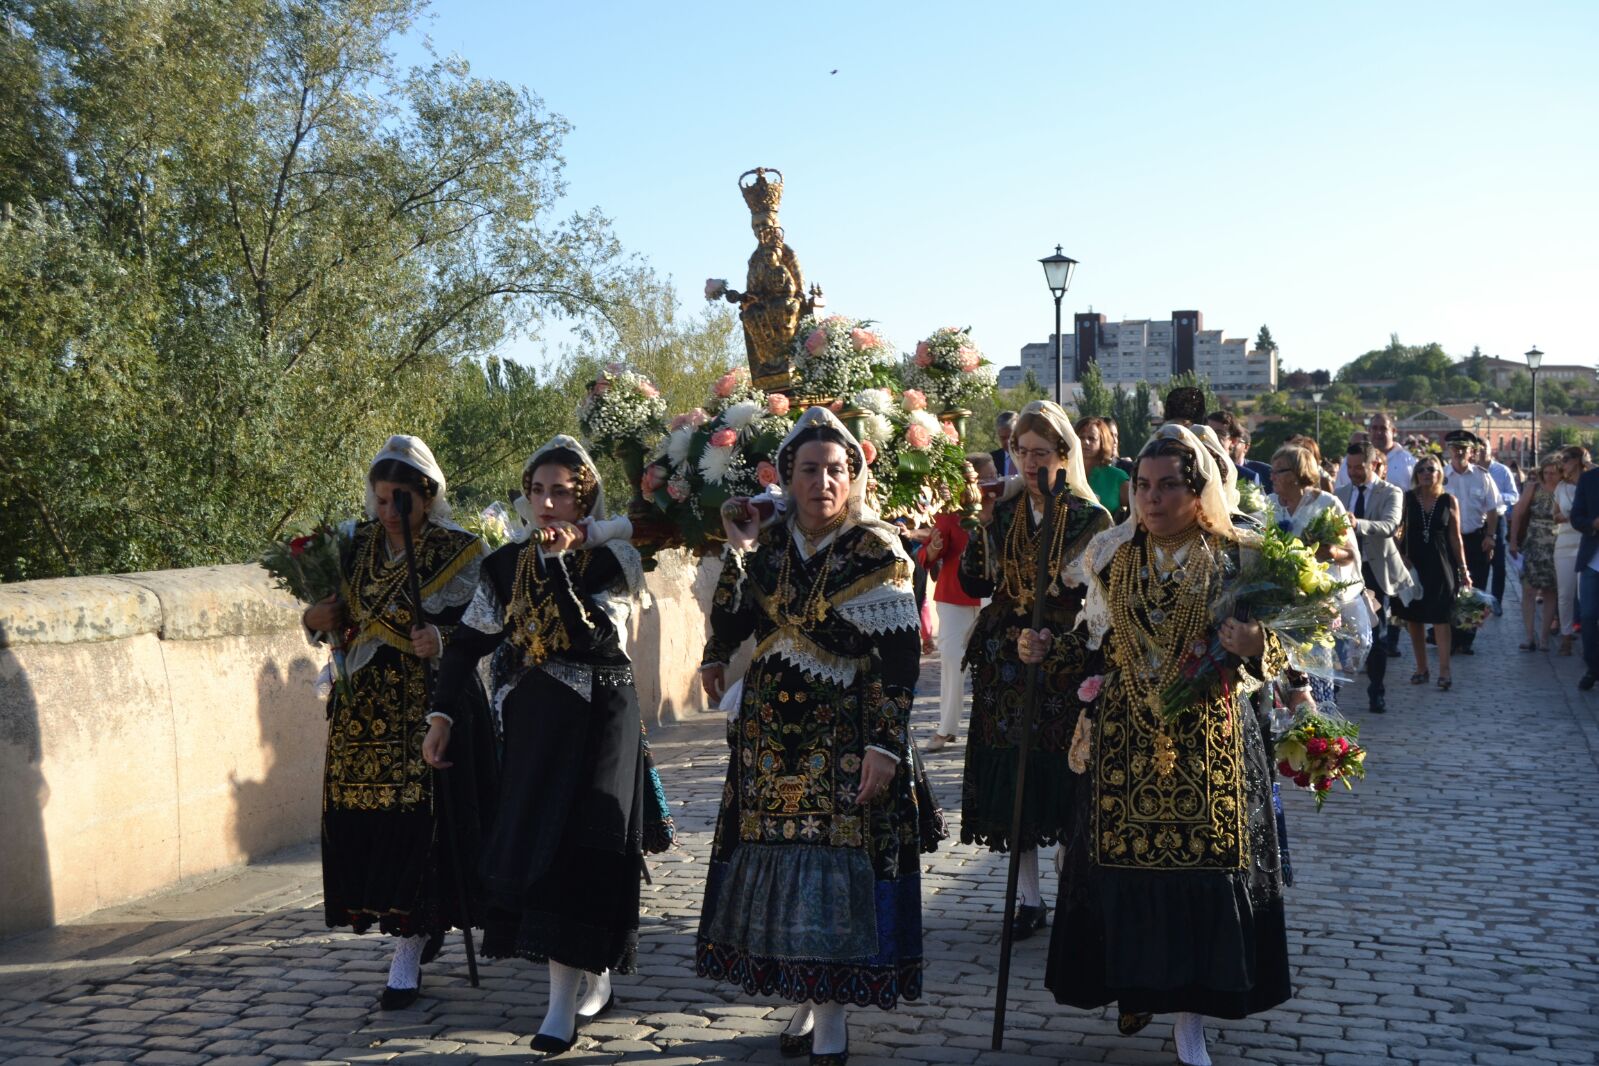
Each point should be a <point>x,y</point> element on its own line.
<point>1060,422</point>
<point>1215,516</point>
<point>860,510</point>
<point>414,453</point>
<point>632,564</point>
<point>1224,465</point>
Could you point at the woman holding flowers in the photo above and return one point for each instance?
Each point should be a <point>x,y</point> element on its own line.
<point>385,852</point>
<point>1320,522</point>
<point>814,890</point>
<point>1431,546</point>
<point>561,868</point>
<point>1171,892</point>
<point>1002,562</point>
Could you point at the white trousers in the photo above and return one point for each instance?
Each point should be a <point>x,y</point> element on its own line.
<point>1566,581</point>
<point>955,623</point>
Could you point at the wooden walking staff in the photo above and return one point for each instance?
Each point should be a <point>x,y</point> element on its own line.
<point>1029,713</point>
<point>441,789</point>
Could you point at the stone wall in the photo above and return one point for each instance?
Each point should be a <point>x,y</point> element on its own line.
<point>158,726</point>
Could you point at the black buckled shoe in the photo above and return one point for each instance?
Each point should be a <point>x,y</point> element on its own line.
<point>1028,920</point>
<point>792,1047</point>
<point>551,1046</point>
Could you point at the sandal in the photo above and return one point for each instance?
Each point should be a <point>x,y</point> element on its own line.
<point>1445,682</point>
<point>1128,1023</point>
<point>1420,677</point>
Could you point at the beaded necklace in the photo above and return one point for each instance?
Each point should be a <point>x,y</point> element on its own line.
<point>813,606</point>
<point>535,620</point>
<point>1426,517</point>
<point>378,582</point>
<point>1155,611</point>
<point>1019,557</point>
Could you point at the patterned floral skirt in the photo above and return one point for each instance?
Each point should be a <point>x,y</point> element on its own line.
<point>810,897</point>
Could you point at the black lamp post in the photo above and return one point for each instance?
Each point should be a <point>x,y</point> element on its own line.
<point>1315,398</point>
<point>1058,270</point>
<point>1534,360</point>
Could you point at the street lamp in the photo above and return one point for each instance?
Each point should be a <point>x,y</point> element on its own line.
<point>1058,274</point>
<point>1315,398</point>
<point>1534,360</point>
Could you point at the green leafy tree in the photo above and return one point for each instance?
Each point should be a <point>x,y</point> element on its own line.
<point>246,248</point>
<point>1414,388</point>
<point>1264,341</point>
<point>1131,415</point>
<point>1475,366</point>
<point>1097,398</point>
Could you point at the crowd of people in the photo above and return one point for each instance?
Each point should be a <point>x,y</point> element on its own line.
<point>488,767</point>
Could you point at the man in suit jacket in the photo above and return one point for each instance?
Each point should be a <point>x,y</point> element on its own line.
<point>1585,519</point>
<point>1002,460</point>
<point>1235,438</point>
<point>1377,508</point>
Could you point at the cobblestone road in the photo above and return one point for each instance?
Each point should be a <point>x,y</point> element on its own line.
<point>1446,912</point>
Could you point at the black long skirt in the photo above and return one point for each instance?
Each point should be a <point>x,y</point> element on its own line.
<point>562,866</point>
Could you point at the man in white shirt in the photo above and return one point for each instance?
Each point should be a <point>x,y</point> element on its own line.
<point>1508,495</point>
<point>1396,458</point>
<point>1480,506</point>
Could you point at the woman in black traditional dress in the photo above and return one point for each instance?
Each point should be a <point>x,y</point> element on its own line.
<point>1171,890</point>
<point>814,890</point>
<point>385,851</point>
<point>1431,545</point>
<point>562,866</point>
<point>1002,563</point>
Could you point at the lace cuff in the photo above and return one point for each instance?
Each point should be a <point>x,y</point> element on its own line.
<point>484,613</point>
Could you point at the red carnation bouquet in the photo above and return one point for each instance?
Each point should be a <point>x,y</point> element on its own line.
<point>1320,749</point>
<point>307,567</point>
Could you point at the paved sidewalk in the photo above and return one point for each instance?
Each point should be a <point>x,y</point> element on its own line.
<point>1444,913</point>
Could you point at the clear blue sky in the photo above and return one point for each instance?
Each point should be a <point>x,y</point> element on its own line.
<point>1337,171</point>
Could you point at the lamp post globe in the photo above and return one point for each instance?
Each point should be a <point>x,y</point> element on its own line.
<point>1315,398</point>
<point>1058,269</point>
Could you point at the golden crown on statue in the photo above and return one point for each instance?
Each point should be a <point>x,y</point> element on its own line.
<point>763,197</point>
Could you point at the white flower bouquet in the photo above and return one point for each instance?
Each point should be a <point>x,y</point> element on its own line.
<point>621,409</point>
<point>950,369</point>
<point>836,356</point>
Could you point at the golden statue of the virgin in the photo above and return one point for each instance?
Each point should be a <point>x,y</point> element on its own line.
<point>774,299</point>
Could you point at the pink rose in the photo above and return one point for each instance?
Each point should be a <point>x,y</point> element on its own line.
<point>1088,691</point>
<point>649,390</point>
<point>969,358</point>
<point>869,450</point>
<point>724,438</point>
<point>777,403</point>
<point>918,437</point>
<point>923,349</point>
<point>915,399</point>
<point>837,407</point>
<point>725,385</point>
<point>654,478</point>
<point>765,473</point>
<point>678,490</point>
<point>864,339</point>
<point>816,341</point>
<point>1316,746</point>
<point>951,432</point>
<point>677,423</point>
<point>601,387</point>
<point>698,417</point>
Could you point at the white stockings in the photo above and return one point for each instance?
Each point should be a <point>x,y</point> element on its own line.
<point>405,969</point>
<point>799,1023</point>
<point>560,1021</point>
<point>599,994</point>
<point>1028,894</point>
<point>831,1035</point>
<point>1189,1032</point>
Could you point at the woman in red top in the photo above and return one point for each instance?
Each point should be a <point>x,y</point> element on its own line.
<point>957,612</point>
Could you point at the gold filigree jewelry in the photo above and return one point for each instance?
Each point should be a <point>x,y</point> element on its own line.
<point>813,607</point>
<point>813,538</point>
<point>535,623</point>
<point>1019,556</point>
